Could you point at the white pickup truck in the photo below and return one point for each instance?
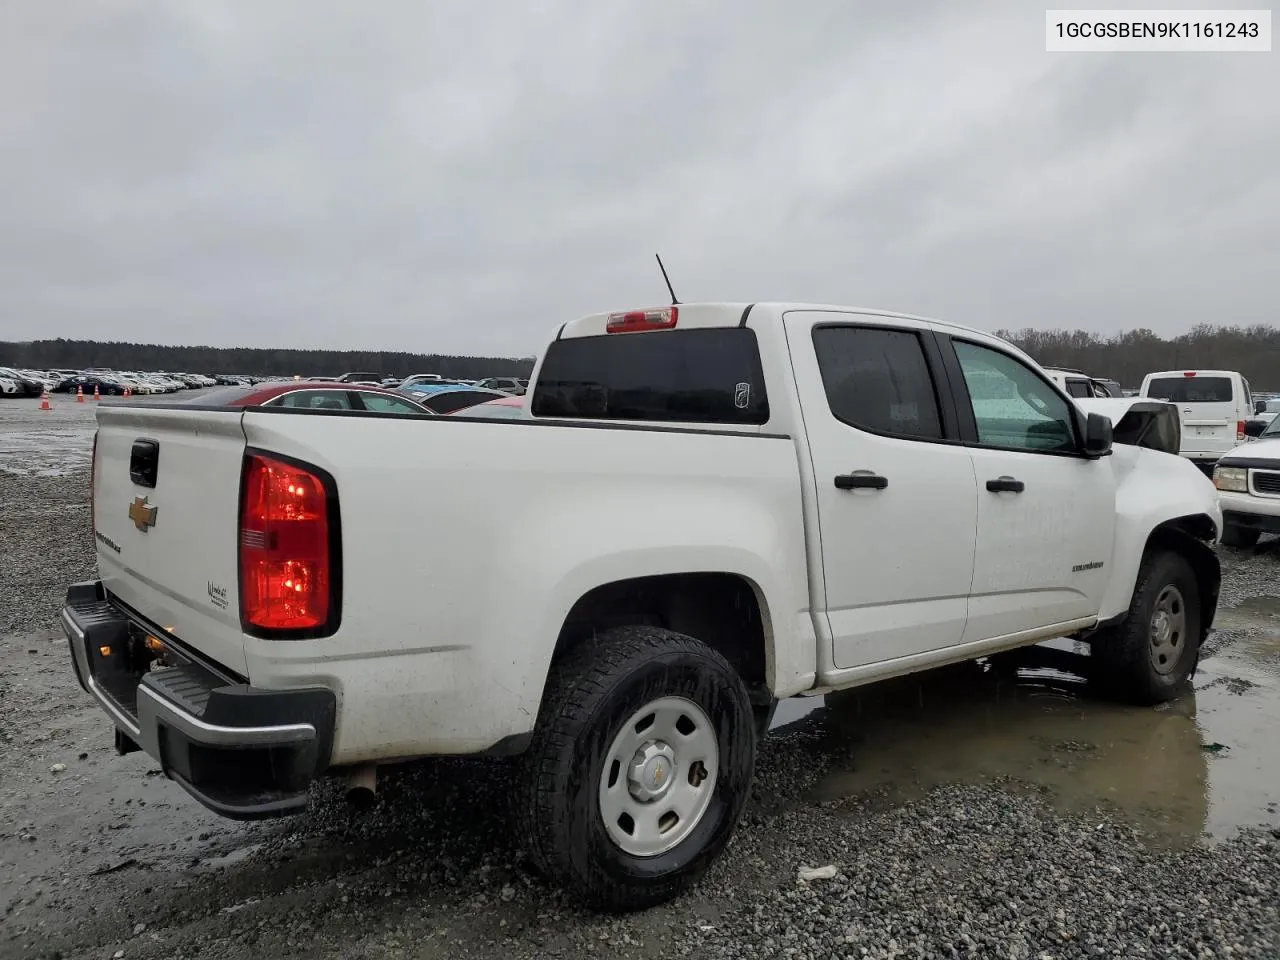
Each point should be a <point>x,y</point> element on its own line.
<point>704,508</point>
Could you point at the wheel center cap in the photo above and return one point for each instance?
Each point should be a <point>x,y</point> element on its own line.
<point>1160,626</point>
<point>652,771</point>
<point>657,773</point>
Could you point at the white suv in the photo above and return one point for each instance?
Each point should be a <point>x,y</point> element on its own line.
<point>1248,482</point>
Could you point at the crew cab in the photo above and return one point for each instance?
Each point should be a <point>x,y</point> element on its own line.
<point>705,508</point>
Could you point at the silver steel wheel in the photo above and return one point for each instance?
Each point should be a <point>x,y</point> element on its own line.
<point>659,776</point>
<point>1168,634</point>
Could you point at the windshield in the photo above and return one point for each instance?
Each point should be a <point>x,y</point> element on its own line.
<point>1272,430</point>
<point>1191,389</point>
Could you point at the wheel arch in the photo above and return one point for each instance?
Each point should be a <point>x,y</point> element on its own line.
<point>727,611</point>
<point>1189,535</point>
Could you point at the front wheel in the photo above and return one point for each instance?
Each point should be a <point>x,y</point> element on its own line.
<point>639,767</point>
<point>1148,658</point>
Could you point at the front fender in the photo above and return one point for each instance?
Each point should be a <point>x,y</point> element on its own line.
<point>1156,492</point>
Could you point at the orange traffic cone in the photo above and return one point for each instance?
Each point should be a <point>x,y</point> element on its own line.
<point>79,394</point>
<point>44,400</point>
<point>126,391</point>
<point>96,395</point>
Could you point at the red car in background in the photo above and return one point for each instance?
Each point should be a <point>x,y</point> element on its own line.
<point>505,408</point>
<point>314,395</point>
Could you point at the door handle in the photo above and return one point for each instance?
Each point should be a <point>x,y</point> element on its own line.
<point>1006,485</point>
<point>861,481</point>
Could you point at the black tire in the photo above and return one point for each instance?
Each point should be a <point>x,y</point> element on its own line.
<point>590,695</point>
<point>1234,535</point>
<point>1125,656</point>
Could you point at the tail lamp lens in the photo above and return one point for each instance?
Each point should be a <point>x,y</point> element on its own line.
<point>637,321</point>
<point>1240,430</point>
<point>285,574</point>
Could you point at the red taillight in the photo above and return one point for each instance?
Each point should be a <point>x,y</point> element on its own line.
<point>1239,430</point>
<point>286,575</point>
<point>634,321</point>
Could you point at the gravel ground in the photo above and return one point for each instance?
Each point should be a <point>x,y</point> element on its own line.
<point>45,546</point>
<point>107,859</point>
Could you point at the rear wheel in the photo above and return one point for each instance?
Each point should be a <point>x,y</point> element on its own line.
<point>1149,658</point>
<point>639,767</point>
<point>1234,535</point>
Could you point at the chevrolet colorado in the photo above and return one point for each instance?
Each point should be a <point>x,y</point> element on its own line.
<point>702,508</point>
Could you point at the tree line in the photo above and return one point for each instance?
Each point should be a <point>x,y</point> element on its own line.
<point>1127,357</point>
<point>79,354</point>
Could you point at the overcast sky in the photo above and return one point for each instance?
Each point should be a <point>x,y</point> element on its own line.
<point>462,177</point>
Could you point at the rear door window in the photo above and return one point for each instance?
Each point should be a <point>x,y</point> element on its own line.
<point>709,375</point>
<point>878,380</point>
<point>1191,389</point>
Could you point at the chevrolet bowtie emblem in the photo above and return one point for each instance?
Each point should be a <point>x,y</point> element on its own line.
<point>142,514</point>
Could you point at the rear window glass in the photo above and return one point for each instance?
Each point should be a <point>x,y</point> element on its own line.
<point>1191,389</point>
<point>692,376</point>
<point>1079,388</point>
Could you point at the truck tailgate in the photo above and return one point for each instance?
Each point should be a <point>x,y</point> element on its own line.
<point>166,495</point>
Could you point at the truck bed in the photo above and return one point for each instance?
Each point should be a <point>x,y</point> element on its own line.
<point>433,616</point>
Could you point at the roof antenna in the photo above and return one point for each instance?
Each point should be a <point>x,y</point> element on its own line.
<point>674,301</point>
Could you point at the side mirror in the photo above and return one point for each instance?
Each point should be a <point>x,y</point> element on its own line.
<point>1259,406</point>
<point>1097,436</point>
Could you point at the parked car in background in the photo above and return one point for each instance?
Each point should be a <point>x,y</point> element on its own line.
<point>1264,411</point>
<point>45,378</point>
<point>107,385</point>
<point>1248,482</point>
<point>10,388</point>
<point>163,382</point>
<point>1214,405</point>
<point>1075,383</point>
<point>1078,384</point>
<point>426,380</point>
<point>27,386</point>
<point>1112,387</point>
<point>450,397</point>
<point>314,395</point>
<point>138,384</point>
<point>511,385</point>
<point>446,396</point>
<point>499,408</point>
<point>372,378</point>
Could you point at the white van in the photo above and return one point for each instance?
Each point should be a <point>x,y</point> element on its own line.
<point>1214,405</point>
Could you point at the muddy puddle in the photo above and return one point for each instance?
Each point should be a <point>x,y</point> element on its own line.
<point>1193,769</point>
